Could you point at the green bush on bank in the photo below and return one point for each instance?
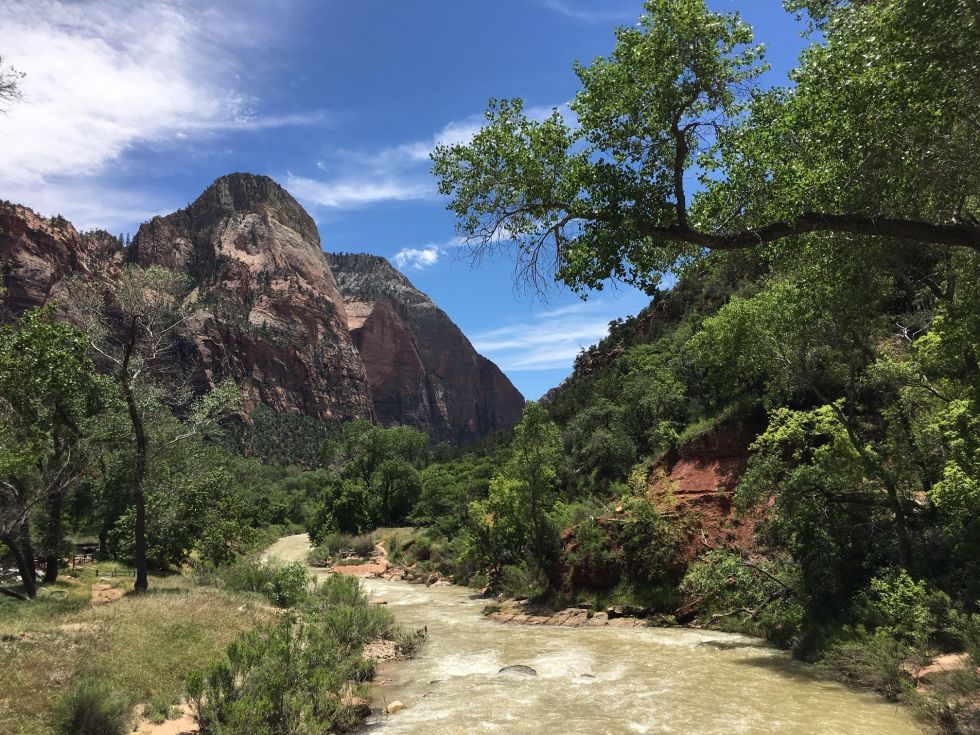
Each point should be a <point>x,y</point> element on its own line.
<point>333,545</point>
<point>283,584</point>
<point>301,673</point>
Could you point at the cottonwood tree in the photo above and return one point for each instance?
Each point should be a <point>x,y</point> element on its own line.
<point>513,522</point>
<point>50,397</point>
<point>676,150</point>
<point>133,324</point>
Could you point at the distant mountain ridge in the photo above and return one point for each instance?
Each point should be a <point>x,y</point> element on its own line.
<point>334,337</point>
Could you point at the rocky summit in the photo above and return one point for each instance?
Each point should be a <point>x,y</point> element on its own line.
<point>335,337</point>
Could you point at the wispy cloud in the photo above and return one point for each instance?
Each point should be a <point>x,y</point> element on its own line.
<point>397,173</point>
<point>574,10</point>
<point>551,339</point>
<point>347,193</point>
<point>106,77</point>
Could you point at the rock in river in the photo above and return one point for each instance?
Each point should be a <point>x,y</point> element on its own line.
<point>518,669</point>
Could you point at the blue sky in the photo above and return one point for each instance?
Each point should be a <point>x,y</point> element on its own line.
<point>131,110</point>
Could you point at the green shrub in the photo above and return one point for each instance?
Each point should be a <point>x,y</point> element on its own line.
<point>282,678</point>
<point>871,662</point>
<point>650,543</point>
<point>907,610</point>
<point>354,625</point>
<point>422,548</point>
<point>334,544</point>
<point>91,709</point>
<point>590,562</point>
<point>161,708</point>
<point>295,675</point>
<point>285,585</point>
<point>340,589</point>
<point>522,580</point>
<point>289,585</point>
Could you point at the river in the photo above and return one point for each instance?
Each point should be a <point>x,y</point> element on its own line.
<point>603,680</point>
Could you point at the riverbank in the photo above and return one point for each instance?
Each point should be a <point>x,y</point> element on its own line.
<point>141,646</point>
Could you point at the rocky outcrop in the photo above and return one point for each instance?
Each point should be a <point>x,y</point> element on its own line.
<point>422,369</point>
<point>698,480</point>
<point>39,254</point>
<point>523,612</point>
<point>266,310</point>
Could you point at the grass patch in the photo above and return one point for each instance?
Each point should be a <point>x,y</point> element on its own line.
<point>140,648</point>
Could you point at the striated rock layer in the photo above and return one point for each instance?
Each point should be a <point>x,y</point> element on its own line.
<point>267,311</point>
<point>421,367</point>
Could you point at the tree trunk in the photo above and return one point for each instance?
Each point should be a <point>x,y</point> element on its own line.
<point>27,549</point>
<point>139,469</point>
<point>25,566</point>
<point>139,495</point>
<point>52,562</point>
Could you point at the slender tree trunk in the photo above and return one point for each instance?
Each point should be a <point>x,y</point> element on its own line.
<point>25,565</point>
<point>27,548</point>
<point>52,562</point>
<point>139,468</point>
<point>139,494</point>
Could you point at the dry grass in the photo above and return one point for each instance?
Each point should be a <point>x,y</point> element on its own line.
<point>142,646</point>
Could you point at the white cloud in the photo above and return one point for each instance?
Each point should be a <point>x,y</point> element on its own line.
<point>346,193</point>
<point>397,173</point>
<point>418,258</point>
<point>104,77</point>
<point>551,339</point>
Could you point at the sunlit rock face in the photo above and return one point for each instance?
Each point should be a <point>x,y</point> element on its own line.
<point>266,311</point>
<point>422,369</point>
<point>266,308</point>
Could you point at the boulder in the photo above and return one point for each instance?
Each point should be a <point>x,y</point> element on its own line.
<point>519,669</point>
<point>394,707</point>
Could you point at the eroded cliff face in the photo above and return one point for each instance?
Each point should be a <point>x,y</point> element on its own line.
<point>266,310</point>
<point>422,369</point>
<point>38,255</point>
<point>699,479</point>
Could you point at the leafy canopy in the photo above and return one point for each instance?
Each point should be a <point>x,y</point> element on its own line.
<point>870,141</point>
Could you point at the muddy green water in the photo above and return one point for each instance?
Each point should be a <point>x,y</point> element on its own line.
<point>604,680</point>
<point>600,680</point>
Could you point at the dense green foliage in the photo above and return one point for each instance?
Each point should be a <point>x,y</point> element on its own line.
<point>868,143</point>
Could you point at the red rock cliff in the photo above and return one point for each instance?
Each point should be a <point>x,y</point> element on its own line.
<point>267,310</point>
<point>422,369</point>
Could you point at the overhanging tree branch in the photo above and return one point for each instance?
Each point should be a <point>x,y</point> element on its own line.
<point>957,234</point>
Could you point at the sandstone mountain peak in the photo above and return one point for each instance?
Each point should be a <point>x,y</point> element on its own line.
<point>268,312</point>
